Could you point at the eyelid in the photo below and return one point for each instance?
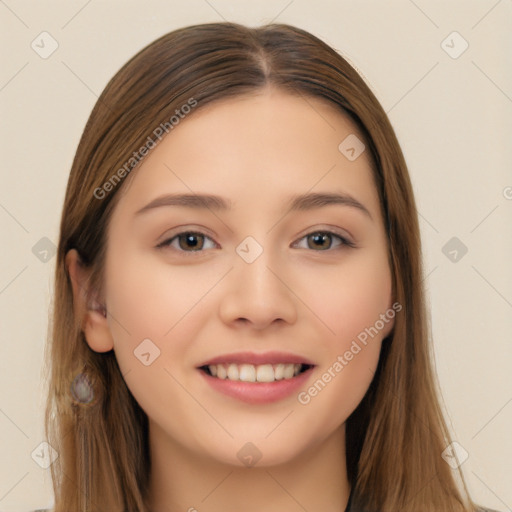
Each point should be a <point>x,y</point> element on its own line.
<point>185,229</point>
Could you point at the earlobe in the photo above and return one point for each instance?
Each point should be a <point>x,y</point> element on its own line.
<point>390,315</point>
<point>97,332</point>
<point>388,329</point>
<point>91,313</point>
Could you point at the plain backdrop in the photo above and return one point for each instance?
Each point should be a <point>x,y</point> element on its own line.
<point>449,98</point>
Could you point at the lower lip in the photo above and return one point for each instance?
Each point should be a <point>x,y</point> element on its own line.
<point>258,392</point>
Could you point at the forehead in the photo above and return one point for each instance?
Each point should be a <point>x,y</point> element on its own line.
<point>261,145</point>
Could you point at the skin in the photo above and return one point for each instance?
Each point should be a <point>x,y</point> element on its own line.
<point>255,151</point>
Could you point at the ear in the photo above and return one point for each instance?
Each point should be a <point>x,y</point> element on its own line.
<point>93,315</point>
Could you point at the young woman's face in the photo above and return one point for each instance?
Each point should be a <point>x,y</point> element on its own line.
<point>259,280</point>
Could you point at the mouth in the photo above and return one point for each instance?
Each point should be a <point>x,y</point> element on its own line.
<point>255,373</point>
<point>257,378</point>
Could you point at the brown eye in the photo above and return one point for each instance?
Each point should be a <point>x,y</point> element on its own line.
<point>193,241</point>
<point>188,241</point>
<point>320,241</point>
<point>324,241</point>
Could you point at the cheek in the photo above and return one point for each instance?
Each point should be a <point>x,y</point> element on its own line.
<point>352,299</point>
<point>148,299</point>
<point>350,304</point>
<point>338,389</point>
<point>150,307</point>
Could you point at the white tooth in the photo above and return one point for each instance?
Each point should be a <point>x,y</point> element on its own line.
<point>288,370</point>
<point>233,372</point>
<point>279,371</point>
<point>251,373</point>
<point>247,373</point>
<point>265,373</point>
<point>221,371</point>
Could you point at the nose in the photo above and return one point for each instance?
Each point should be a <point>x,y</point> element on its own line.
<point>258,294</point>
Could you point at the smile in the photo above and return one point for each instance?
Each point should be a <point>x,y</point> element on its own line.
<point>257,378</point>
<point>255,373</point>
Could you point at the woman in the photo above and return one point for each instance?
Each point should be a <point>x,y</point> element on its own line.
<point>239,317</point>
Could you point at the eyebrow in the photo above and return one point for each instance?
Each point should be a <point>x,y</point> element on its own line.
<point>302,202</point>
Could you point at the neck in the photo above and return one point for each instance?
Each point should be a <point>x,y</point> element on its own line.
<point>182,481</point>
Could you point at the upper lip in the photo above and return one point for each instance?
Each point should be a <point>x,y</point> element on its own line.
<point>255,358</point>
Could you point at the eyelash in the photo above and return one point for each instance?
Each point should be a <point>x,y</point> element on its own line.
<point>344,241</point>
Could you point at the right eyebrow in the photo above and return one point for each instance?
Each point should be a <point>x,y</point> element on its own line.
<point>205,201</point>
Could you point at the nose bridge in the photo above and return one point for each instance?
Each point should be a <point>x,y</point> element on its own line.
<point>256,291</point>
<point>254,269</point>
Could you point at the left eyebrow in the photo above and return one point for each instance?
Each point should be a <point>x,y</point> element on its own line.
<point>303,202</point>
<point>311,201</point>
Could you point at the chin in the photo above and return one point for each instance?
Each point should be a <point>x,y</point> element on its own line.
<point>260,453</point>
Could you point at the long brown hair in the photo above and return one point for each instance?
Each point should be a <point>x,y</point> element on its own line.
<point>396,435</point>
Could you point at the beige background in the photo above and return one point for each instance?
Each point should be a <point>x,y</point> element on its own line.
<point>453,119</point>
